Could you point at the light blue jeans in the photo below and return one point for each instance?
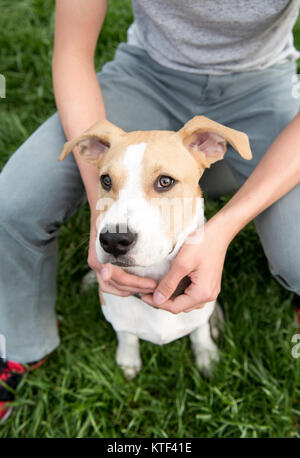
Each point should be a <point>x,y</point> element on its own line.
<point>38,193</point>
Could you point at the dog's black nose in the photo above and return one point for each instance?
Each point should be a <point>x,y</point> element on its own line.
<point>117,243</point>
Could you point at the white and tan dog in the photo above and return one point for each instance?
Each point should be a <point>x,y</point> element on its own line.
<point>151,202</point>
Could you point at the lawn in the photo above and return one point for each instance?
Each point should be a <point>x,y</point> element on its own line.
<point>80,392</point>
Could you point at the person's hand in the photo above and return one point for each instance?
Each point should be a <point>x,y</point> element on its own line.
<point>203,263</point>
<point>113,279</point>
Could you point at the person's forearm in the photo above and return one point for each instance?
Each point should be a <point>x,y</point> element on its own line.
<point>275,175</point>
<point>77,92</point>
<point>80,104</point>
<point>78,97</point>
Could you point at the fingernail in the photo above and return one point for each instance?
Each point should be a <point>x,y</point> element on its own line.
<point>158,298</point>
<point>104,273</point>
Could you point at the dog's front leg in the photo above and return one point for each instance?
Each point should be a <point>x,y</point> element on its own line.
<point>128,355</point>
<point>204,349</point>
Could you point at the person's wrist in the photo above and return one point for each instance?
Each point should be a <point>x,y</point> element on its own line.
<point>221,228</point>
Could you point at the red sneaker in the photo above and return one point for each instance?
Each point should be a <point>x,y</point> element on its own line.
<point>296,306</point>
<point>11,374</point>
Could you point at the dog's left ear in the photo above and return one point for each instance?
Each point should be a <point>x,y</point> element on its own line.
<point>206,140</point>
<point>94,142</point>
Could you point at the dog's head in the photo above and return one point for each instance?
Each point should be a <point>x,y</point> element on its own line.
<point>149,197</point>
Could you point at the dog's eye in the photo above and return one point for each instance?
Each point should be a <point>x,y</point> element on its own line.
<point>164,183</point>
<point>106,183</point>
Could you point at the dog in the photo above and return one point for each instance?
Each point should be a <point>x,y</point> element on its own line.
<point>140,173</point>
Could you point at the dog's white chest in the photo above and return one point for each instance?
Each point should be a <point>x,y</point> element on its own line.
<point>130,314</point>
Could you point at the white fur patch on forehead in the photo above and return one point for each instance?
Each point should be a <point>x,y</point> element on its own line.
<point>133,163</point>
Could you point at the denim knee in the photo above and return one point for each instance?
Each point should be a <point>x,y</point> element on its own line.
<point>288,275</point>
<point>20,218</point>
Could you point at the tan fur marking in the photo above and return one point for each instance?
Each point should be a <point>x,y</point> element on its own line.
<point>102,129</point>
<point>162,155</point>
<point>102,301</point>
<point>239,140</point>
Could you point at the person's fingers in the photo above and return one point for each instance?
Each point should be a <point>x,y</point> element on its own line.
<point>109,272</point>
<point>148,298</point>
<point>108,287</point>
<point>169,305</point>
<point>169,283</point>
<point>183,303</point>
<point>201,293</point>
<point>106,272</point>
<point>111,289</point>
<point>193,298</point>
<point>131,289</point>
<point>199,306</point>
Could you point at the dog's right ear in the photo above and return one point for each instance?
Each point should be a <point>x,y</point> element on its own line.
<point>94,142</point>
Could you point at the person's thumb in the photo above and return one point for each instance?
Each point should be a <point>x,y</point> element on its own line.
<point>168,284</point>
<point>106,272</point>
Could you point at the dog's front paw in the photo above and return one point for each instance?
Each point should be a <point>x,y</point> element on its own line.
<point>129,360</point>
<point>217,322</point>
<point>130,372</point>
<point>89,281</point>
<point>206,359</point>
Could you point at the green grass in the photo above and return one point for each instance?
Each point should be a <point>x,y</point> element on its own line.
<point>80,392</point>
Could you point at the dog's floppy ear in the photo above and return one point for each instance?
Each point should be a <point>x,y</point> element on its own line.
<point>94,142</point>
<point>206,140</point>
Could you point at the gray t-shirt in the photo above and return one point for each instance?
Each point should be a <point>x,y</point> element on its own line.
<point>215,36</point>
